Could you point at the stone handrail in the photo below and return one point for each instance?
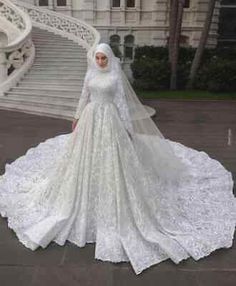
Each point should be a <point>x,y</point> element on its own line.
<point>16,55</point>
<point>58,23</point>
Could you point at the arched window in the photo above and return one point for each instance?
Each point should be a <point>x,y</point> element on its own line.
<point>184,41</point>
<point>115,45</point>
<point>115,3</point>
<point>187,4</point>
<point>130,3</point>
<point>43,2</point>
<point>129,47</point>
<point>61,2</point>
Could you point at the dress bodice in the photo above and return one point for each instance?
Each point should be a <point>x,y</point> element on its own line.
<point>105,87</point>
<point>102,87</point>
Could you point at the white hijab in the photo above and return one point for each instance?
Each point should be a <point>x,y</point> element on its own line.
<point>107,51</point>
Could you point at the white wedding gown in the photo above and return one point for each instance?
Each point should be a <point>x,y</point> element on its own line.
<point>91,186</point>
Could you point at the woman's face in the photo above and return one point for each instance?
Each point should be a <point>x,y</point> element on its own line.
<point>101,59</point>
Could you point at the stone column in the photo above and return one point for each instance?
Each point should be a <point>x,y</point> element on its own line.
<point>51,4</point>
<point>3,69</point>
<point>122,10</point>
<point>108,9</point>
<point>89,15</point>
<point>94,11</point>
<point>138,11</point>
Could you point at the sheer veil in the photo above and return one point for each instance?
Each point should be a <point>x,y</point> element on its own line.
<point>153,149</point>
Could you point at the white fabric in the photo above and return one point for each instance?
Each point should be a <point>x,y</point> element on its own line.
<point>135,116</point>
<point>95,185</point>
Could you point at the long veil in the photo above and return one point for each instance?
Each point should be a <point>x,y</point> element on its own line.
<point>154,150</point>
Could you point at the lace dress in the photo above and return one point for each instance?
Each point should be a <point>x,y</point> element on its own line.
<point>91,186</point>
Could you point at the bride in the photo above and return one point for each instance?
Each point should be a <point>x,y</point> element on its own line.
<point>117,182</point>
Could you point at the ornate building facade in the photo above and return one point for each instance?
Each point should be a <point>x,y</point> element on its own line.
<point>137,22</point>
<point>129,23</point>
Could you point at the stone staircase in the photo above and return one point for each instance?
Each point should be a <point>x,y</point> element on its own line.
<point>53,85</point>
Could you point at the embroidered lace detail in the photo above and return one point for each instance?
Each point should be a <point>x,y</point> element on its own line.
<point>91,186</point>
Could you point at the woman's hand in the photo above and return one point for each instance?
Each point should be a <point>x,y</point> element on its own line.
<point>74,124</point>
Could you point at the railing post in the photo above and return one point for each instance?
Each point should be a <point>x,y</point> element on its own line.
<point>3,65</point>
<point>3,69</point>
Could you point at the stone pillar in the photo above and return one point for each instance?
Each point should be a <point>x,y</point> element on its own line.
<point>94,11</point>
<point>3,69</point>
<point>122,11</point>
<point>52,4</point>
<point>138,9</point>
<point>88,17</point>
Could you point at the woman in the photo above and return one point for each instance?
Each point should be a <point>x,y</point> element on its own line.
<point>116,181</point>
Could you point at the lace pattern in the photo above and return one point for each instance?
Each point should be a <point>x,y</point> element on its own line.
<point>109,82</point>
<point>92,186</point>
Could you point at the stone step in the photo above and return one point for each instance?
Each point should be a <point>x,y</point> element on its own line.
<point>54,72</point>
<point>60,51</point>
<point>58,45</point>
<point>31,109</point>
<point>73,68</point>
<point>53,80</point>
<point>53,41</point>
<point>60,54</point>
<point>57,72</point>
<point>54,51</point>
<point>59,67</point>
<point>62,100</point>
<point>47,34</point>
<point>58,48</point>
<point>67,56</point>
<point>61,77</point>
<point>51,86</point>
<point>44,91</point>
<point>42,97</point>
<point>58,64</point>
<point>71,106</point>
<point>52,83</point>
<point>61,60</point>
<point>54,76</point>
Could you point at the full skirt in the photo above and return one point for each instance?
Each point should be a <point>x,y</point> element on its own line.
<point>91,186</point>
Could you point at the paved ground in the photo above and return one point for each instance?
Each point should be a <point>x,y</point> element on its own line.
<point>203,125</point>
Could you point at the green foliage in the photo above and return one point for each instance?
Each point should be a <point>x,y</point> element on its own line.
<point>150,74</point>
<point>217,76</point>
<point>151,52</point>
<point>151,69</point>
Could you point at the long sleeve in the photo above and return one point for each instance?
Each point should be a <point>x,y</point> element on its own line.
<point>84,98</point>
<point>122,106</point>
